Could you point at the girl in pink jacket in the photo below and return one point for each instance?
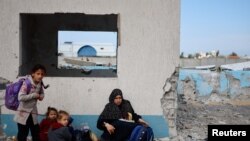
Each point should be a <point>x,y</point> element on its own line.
<point>26,114</point>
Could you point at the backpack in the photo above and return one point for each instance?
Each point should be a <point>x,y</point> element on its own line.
<point>80,135</point>
<point>12,90</point>
<point>142,133</point>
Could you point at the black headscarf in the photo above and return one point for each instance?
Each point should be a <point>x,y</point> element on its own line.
<point>113,111</point>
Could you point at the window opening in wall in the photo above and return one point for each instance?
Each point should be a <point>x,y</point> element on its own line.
<point>69,44</point>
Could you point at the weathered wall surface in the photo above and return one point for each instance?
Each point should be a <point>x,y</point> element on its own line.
<point>148,54</point>
<point>209,61</point>
<point>194,99</point>
<point>202,83</point>
<point>211,98</point>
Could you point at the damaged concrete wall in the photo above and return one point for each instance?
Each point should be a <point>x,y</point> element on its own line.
<point>211,98</point>
<point>217,61</point>
<point>169,103</point>
<point>204,83</point>
<point>147,55</point>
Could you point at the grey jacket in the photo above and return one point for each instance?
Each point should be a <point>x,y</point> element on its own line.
<point>28,102</point>
<point>60,134</point>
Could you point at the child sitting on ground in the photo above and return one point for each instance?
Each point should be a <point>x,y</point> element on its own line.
<point>59,131</point>
<point>46,123</point>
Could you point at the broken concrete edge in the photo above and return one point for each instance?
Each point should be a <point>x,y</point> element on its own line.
<point>169,103</point>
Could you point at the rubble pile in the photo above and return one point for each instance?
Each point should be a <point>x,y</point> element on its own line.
<point>194,116</point>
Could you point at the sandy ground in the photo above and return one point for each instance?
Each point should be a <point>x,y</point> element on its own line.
<point>193,118</point>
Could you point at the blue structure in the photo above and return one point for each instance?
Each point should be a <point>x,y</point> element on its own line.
<point>156,122</point>
<point>204,87</point>
<point>86,51</point>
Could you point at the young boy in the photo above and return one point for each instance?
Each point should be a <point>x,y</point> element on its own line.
<point>59,131</point>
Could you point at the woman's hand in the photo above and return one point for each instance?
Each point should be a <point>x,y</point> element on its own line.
<point>144,123</point>
<point>110,128</point>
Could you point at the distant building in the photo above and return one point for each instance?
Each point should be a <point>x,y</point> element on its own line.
<point>246,57</point>
<point>213,53</point>
<point>202,55</point>
<point>233,57</point>
<point>87,51</point>
<point>78,49</point>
